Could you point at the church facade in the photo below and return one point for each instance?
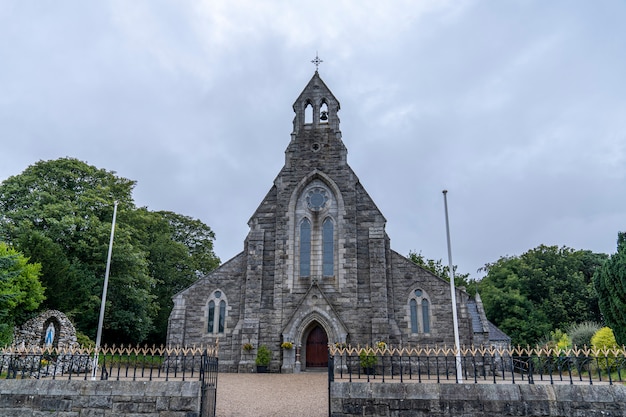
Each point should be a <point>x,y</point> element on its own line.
<point>317,267</point>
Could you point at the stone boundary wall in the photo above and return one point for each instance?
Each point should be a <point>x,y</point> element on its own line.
<point>475,400</point>
<point>62,398</point>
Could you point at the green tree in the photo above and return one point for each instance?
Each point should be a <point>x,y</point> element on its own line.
<point>545,289</point>
<point>179,249</point>
<point>20,290</point>
<point>442,271</point>
<point>59,212</point>
<point>610,283</point>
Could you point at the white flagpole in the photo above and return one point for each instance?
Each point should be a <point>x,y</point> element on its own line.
<point>104,296</point>
<point>459,370</point>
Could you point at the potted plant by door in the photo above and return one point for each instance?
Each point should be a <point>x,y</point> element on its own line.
<point>368,361</point>
<point>263,356</point>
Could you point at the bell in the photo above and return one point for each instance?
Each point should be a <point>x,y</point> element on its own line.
<point>324,115</point>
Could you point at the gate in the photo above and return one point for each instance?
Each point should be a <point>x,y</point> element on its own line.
<point>208,377</point>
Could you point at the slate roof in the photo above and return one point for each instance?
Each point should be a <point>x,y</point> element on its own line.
<point>496,334</point>
<point>472,308</point>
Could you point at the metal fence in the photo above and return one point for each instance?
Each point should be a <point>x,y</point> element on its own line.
<point>118,363</point>
<point>477,365</point>
<point>110,363</point>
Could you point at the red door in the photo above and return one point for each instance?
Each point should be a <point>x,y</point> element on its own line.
<point>317,348</point>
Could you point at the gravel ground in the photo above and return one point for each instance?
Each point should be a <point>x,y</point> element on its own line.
<point>272,395</point>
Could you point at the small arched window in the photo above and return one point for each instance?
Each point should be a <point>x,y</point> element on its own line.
<point>328,246</point>
<point>305,248</point>
<point>216,315</point>
<point>419,312</point>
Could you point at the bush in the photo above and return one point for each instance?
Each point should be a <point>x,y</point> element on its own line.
<point>604,339</point>
<point>367,359</point>
<point>581,333</point>
<point>84,341</point>
<point>263,356</point>
<point>557,340</point>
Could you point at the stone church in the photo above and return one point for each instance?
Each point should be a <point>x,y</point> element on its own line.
<point>317,267</point>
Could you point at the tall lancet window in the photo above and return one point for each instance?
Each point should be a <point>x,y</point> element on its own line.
<point>305,248</point>
<point>328,246</point>
<point>216,314</point>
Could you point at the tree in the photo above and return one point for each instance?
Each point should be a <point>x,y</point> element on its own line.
<point>20,290</point>
<point>179,250</point>
<point>545,289</point>
<point>59,212</point>
<point>442,271</point>
<point>610,284</point>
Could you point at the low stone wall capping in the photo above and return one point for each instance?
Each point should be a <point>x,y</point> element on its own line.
<point>475,400</point>
<point>62,398</point>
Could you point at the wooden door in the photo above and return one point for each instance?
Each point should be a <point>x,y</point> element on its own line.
<point>317,348</point>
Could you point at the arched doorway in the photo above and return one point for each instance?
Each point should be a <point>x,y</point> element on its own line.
<point>317,348</point>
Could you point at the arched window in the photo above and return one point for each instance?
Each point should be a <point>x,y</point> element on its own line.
<point>419,312</point>
<point>315,230</point>
<point>414,326</point>
<point>216,314</point>
<point>328,246</point>
<point>426,315</point>
<point>222,316</point>
<point>211,326</point>
<point>305,248</point>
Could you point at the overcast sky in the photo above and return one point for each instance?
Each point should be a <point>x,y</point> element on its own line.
<point>517,108</point>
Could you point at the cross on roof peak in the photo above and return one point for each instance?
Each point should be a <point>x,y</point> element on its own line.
<point>317,61</point>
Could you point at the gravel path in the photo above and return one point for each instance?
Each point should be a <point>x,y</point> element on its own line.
<point>272,395</point>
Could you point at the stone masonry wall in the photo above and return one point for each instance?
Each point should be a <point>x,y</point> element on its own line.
<point>476,400</point>
<point>99,398</point>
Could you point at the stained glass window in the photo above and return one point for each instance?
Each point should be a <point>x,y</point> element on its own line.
<point>305,248</point>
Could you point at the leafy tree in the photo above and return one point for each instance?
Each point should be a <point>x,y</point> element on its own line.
<point>441,270</point>
<point>59,213</point>
<point>20,290</point>
<point>544,289</point>
<point>610,283</point>
<point>179,250</point>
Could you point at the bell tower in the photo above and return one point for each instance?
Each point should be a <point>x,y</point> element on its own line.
<point>316,108</point>
<point>316,137</point>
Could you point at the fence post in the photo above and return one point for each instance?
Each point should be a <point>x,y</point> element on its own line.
<point>331,375</point>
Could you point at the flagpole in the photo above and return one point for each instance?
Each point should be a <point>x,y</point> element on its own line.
<point>455,320</point>
<point>104,296</point>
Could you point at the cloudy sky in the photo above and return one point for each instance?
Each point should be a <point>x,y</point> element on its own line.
<point>517,108</point>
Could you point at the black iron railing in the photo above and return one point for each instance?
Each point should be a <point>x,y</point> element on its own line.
<point>111,363</point>
<point>478,365</point>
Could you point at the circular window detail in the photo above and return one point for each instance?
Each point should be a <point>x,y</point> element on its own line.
<point>316,147</point>
<point>316,199</point>
<point>218,294</point>
<point>418,293</point>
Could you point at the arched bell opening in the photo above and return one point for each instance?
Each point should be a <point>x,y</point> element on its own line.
<point>308,113</point>
<point>324,112</point>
